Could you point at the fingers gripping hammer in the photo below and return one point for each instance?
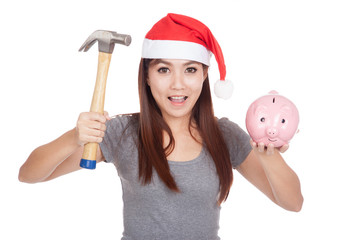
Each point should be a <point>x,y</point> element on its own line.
<point>106,41</point>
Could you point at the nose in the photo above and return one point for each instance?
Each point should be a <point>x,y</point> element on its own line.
<point>272,132</point>
<point>177,81</point>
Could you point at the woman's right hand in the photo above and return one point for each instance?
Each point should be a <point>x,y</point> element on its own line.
<point>62,155</point>
<point>90,127</point>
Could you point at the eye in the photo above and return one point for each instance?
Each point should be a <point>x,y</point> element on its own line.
<point>283,121</point>
<point>191,70</point>
<point>163,70</point>
<point>262,119</point>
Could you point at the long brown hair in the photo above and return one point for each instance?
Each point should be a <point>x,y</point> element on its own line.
<point>151,127</point>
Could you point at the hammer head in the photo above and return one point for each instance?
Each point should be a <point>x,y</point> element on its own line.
<point>106,39</point>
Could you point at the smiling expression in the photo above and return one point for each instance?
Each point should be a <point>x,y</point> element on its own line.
<point>176,85</point>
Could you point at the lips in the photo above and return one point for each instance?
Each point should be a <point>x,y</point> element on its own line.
<point>177,99</point>
<point>272,140</point>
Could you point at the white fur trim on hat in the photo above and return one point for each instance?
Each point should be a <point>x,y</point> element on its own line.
<point>170,49</point>
<point>223,89</point>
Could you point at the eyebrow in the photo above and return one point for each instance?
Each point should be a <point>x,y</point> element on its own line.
<point>158,61</point>
<point>192,62</point>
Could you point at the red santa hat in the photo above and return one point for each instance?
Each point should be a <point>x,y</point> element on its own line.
<point>180,37</point>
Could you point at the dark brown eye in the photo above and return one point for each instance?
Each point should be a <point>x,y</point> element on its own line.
<point>262,119</point>
<point>283,121</point>
<point>163,70</point>
<point>191,70</point>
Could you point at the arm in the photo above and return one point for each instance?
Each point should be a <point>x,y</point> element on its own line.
<point>267,170</point>
<point>63,155</point>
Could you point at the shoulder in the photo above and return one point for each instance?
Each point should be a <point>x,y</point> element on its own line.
<point>225,122</point>
<point>229,127</point>
<point>120,135</point>
<point>120,125</point>
<point>237,140</point>
<point>122,121</point>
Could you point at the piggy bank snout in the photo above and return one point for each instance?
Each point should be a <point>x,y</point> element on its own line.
<point>272,132</point>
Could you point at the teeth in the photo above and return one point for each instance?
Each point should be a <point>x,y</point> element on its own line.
<point>178,99</point>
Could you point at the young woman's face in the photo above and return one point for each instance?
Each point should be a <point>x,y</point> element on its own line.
<point>176,85</point>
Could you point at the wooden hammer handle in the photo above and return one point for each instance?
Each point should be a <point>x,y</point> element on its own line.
<point>97,105</point>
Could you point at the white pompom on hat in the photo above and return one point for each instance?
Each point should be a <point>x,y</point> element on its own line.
<point>181,37</point>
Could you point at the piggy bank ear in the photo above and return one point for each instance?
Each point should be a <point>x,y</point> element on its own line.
<point>286,109</point>
<point>260,109</point>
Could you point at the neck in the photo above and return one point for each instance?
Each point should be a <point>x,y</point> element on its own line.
<point>180,130</point>
<point>177,124</point>
<point>180,126</point>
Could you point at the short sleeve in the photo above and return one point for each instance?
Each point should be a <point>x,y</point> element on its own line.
<point>237,141</point>
<point>115,128</point>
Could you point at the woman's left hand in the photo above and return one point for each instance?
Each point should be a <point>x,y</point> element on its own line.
<point>269,150</point>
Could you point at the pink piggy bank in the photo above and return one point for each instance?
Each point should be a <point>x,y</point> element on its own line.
<point>272,119</point>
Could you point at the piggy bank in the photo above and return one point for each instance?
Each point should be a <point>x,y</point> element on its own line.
<point>272,119</point>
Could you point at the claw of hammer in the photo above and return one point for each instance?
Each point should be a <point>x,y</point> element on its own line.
<point>106,39</point>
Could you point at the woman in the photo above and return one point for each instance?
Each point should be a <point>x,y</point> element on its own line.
<point>174,158</point>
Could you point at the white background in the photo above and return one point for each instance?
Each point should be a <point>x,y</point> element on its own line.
<point>307,50</point>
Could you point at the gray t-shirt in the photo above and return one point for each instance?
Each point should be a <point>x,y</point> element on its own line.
<point>155,212</point>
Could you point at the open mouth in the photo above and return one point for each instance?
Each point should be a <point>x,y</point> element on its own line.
<point>272,140</point>
<point>178,99</point>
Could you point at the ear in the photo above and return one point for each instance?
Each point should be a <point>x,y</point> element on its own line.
<point>286,109</point>
<point>260,109</point>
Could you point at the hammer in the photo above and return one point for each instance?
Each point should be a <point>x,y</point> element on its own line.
<point>106,42</point>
